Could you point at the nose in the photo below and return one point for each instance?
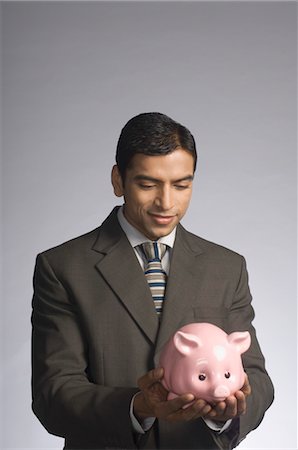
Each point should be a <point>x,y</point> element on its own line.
<point>221,392</point>
<point>164,199</point>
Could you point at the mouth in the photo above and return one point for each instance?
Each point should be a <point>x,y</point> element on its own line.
<point>162,219</point>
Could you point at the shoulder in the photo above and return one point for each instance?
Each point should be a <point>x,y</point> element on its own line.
<point>211,250</point>
<point>72,248</point>
<point>84,243</point>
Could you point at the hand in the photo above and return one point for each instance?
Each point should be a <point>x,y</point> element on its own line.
<point>233,406</point>
<point>152,401</point>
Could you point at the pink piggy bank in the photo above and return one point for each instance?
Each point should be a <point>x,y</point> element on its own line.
<point>203,360</point>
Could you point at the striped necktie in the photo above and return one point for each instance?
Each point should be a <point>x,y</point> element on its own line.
<point>156,276</point>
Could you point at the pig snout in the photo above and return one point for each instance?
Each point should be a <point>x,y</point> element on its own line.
<point>221,392</point>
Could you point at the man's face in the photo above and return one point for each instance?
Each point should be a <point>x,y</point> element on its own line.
<point>157,191</point>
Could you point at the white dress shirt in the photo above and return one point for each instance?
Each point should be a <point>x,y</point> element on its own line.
<point>136,238</point>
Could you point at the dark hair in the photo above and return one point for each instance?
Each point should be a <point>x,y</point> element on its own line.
<point>152,134</point>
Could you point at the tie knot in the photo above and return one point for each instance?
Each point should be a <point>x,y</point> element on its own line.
<point>154,251</point>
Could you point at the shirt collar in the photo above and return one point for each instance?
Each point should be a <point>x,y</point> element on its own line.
<point>135,237</point>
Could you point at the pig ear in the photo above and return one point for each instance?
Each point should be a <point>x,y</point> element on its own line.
<point>185,343</point>
<point>241,340</point>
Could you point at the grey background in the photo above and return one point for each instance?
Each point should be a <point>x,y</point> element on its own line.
<point>72,75</point>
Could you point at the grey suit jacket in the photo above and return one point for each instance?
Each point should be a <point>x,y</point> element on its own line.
<point>95,332</point>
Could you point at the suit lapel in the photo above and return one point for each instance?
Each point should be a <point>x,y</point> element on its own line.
<point>121,270</point>
<point>181,288</point>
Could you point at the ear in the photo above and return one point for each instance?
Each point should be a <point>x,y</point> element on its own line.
<point>117,182</point>
<point>186,343</point>
<point>241,340</point>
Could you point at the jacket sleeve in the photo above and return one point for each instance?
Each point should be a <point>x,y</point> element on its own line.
<point>240,318</point>
<point>66,402</point>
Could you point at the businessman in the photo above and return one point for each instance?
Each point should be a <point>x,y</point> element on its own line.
<point>101,311</point>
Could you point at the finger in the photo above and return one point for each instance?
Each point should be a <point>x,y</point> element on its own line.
<point>150,378</point>
<point>224,410</point>
<point>198,408</point>
<point>218,410</point>
<point>246,388</point>
<point>174,410</point>
<point>241,402</point>
<point>231,409</point>
<point>233,406</point>
<point>178,403</point>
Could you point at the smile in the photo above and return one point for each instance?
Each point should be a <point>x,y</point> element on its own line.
<point>162,220</point>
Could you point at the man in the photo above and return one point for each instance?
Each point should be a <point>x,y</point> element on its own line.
<point>96,328</point>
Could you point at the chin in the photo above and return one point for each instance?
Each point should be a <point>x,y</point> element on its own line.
<point>161,234</point>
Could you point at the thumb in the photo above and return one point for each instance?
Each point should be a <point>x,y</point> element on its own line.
<point>150,378</point>
<point>246,389</point>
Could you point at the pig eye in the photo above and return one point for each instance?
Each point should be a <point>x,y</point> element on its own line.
<point>202,377</point>
<point>227,374</point>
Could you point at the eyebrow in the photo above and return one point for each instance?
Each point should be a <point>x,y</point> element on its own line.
<point>156,180</point>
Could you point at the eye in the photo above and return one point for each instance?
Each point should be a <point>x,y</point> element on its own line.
<point>146,186</point>
<point>181,187</point>
<point>227,374</point>
<point>202,377</point>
